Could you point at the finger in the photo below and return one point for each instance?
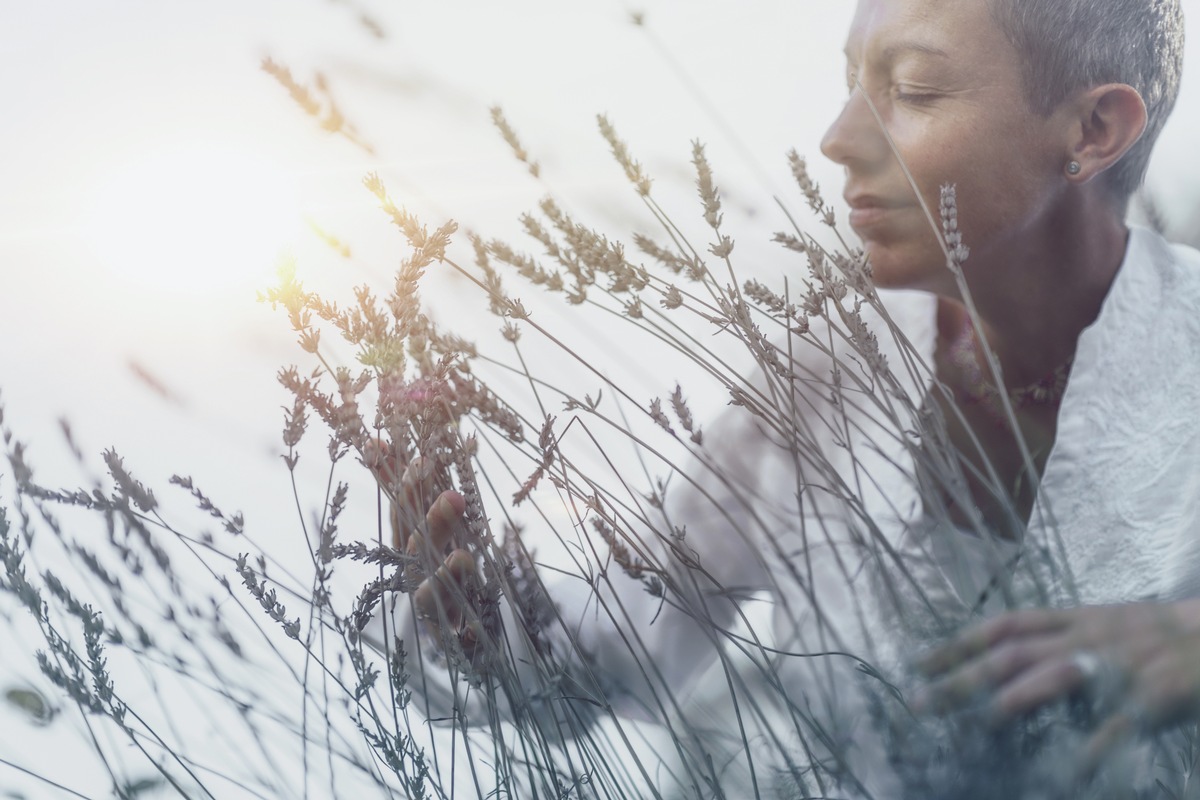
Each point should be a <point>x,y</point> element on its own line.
<point>416,488</point>
<point>1158,697</point>
<point>442,598</point>
<point>993,668</point>
<point>1166,691</point>
<point>470,637</point>
<point>399,531</point>
<point>378,457</point>
<point>444,520</point>
<point>982,637</point>
<point>1116,730</point>
<point>411,504</point>
<point>1042,684</point>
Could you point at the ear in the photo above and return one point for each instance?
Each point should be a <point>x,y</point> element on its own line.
<point>1108,120</point>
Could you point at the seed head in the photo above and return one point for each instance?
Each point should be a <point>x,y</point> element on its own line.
<point>948,207</point>
<point>510,136</point>
<point>709,194</point>
<point>633,169</point>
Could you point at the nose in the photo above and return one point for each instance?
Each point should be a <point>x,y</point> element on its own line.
<point>854,139</point>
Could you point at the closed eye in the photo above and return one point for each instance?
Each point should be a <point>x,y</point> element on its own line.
<point>905,94</point>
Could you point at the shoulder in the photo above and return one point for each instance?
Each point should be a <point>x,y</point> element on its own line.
<point>1148,324</point>
<point>1152,305</point>
<point>1171,269</point>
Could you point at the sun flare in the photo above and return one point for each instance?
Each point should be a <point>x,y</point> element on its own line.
<point>197,218</point>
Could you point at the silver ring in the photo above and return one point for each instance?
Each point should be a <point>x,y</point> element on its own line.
<point>1089,665</point>
<point>1103,684</point>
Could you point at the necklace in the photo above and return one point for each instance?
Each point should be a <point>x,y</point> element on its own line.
<point>979,389</point>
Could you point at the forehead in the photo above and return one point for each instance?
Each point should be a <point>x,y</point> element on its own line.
<point>961,30</point>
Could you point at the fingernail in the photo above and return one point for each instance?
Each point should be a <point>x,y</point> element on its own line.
<point>455,504</point>
<point>445,508</point>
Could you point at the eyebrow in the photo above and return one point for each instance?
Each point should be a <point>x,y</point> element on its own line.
<point>893,51</point>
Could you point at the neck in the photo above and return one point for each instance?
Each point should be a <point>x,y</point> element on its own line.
<point>1041,286</point>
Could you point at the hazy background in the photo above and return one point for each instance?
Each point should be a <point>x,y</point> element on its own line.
<point>127,281</point>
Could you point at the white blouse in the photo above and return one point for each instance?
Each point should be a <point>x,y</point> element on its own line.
<point>1120,492</point>
<point>1123,479</point>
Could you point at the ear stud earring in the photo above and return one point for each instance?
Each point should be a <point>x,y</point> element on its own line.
<point>1073,168</point>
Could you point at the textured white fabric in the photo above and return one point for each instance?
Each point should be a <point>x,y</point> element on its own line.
<point>1120,493</point>
<point>1123,479</point>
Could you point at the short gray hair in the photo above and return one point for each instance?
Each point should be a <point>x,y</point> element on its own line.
<point>1069,45</point>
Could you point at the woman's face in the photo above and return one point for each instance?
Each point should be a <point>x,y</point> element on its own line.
<point>947,87</point>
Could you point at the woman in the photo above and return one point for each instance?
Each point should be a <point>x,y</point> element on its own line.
<point>1045,154</point>
<point>1042,114</point>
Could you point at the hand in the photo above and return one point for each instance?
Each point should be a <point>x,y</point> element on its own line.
<point>432,532</point>
<point>443,600</point>
<point>1027,659</point>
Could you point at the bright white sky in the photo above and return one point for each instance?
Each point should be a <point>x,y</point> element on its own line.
<point>131,116</point>
<point>152,121</point>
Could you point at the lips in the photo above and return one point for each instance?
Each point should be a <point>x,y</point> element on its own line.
<point>868,210</point>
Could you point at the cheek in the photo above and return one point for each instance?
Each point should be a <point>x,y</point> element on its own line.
<point>998,204</point>
<point>913,261</point>
<point>977,155</point>
<point>996,191</point>
<point>938,162</point>
<point>1003,180</point>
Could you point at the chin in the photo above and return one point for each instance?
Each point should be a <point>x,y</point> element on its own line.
<point>901,267</point>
